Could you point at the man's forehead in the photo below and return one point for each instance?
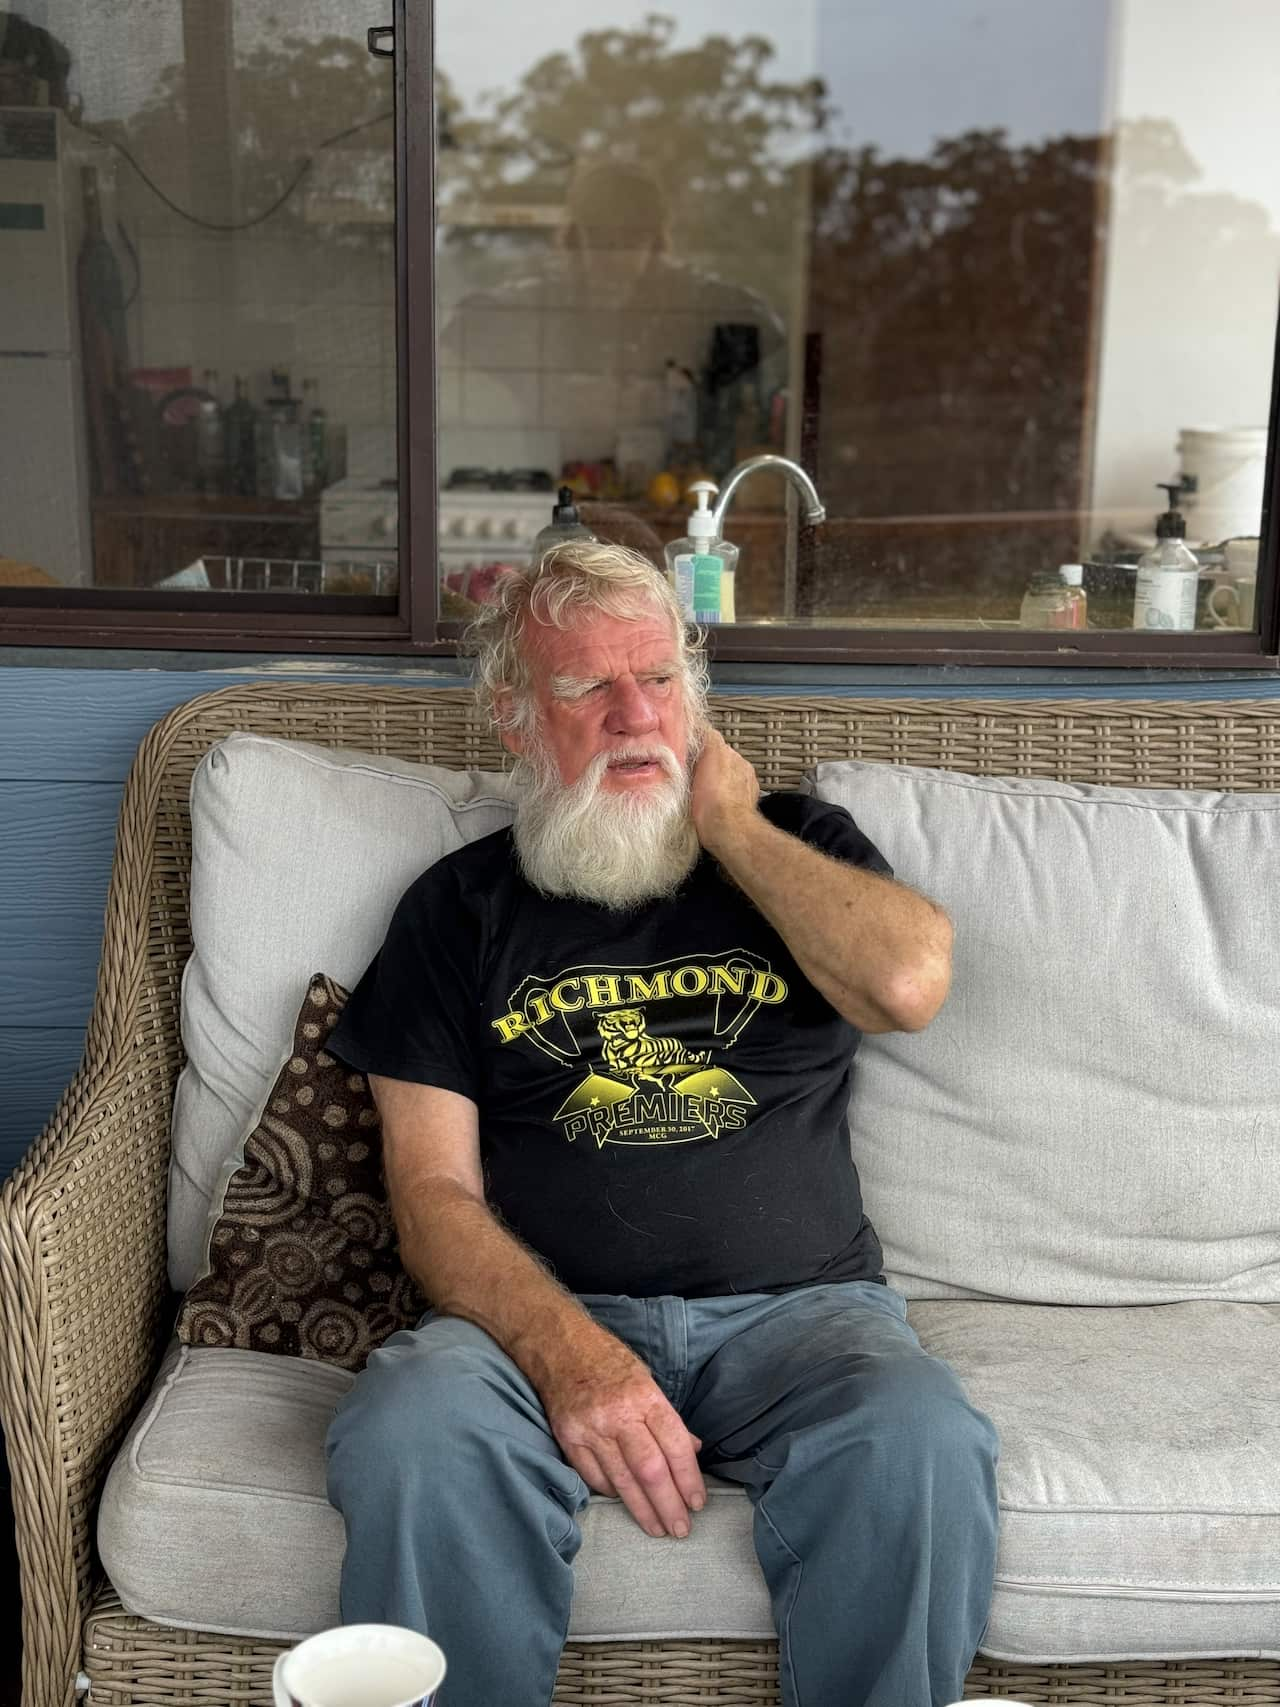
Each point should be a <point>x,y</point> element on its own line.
<point>603,645</point>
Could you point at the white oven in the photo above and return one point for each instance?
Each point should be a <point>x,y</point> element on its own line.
<point>359,524</point>
<point>478,527</point>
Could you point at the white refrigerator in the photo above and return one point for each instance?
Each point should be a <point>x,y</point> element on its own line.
<point>44,463</point>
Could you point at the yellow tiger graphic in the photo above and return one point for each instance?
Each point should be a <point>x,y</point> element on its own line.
<point>631,1052</point>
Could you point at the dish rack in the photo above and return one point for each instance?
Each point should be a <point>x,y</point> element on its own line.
<point>301,575</point>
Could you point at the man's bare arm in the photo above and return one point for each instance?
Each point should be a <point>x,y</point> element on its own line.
<point>879,952</point>
<point>612,1421</point>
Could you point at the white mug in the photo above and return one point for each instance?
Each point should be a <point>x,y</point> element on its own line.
<point>360,1665</point>
<point>1240,594</point>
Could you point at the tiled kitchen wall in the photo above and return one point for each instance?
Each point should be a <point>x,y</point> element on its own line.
<point>528,377</point>
<point>317,300</point>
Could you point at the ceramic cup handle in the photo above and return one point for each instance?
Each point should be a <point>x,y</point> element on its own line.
<point>1221,619</point>
<point>283,1698</point>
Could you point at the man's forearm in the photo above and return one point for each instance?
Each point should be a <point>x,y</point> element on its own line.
<point>880,953</point>
<point>467,1264</point>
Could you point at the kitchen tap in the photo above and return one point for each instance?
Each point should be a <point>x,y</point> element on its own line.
<point>815,509</point>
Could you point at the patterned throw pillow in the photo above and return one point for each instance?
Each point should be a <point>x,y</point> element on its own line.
<point>303,1257</point>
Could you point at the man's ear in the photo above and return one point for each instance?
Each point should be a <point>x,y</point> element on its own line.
<point>511,739</point>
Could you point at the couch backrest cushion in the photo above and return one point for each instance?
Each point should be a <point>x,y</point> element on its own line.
<point>1094,1115</point>
<point>299,854</point>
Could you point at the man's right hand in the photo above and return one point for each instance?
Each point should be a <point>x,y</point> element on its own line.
<point>612,1421</point>
<point>622,1435</point>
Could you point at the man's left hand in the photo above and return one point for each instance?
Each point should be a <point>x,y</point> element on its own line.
<point>725,791</point>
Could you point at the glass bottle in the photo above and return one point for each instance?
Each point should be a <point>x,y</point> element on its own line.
<point>1072,575</point>
<point>1168,575</point>
<point>565,525</point>
<point>209,443</point>
<point>240,443</point>
<point>285,442</point>
<point>315,435</point>
<point>1047,602</point>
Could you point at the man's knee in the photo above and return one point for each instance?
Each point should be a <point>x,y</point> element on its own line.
<point>923,1410</point>
<point>915,1414</point>
<point>415,1410</point>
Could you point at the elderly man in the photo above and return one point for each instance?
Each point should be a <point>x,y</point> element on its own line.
<point>612,1050</point>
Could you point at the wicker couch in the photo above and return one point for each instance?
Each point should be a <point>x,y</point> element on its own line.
<point>82,1226</point>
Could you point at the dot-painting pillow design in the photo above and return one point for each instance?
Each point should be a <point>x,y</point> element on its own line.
<point>303,1258</point>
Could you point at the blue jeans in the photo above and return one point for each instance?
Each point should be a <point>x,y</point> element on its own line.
<point>871,1476</point>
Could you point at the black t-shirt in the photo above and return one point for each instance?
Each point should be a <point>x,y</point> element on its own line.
<point>661,1092</point>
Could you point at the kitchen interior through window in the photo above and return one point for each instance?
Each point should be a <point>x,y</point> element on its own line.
<point>973,280</point>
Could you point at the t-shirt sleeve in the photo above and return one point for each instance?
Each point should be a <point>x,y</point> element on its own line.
<point>828,827</point>
<point>412,1015</point>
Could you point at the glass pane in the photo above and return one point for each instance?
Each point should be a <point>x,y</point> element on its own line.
<point>987,272</point>
<point>197,330</point>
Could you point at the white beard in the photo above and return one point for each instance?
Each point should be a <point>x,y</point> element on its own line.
<point>615,849</point>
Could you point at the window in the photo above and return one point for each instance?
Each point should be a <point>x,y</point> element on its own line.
<point>981,276</point>
<point>197,331</point>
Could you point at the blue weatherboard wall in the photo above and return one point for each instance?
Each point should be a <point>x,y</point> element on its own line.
<point>68,733</point>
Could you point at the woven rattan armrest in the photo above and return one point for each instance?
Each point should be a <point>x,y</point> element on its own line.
<point>84,1296</point>
<point>83,1290</point>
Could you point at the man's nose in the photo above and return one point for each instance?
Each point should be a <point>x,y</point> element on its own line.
<point>631,711</point>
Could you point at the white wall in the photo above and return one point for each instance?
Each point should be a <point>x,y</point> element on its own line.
<point>1192,266</point>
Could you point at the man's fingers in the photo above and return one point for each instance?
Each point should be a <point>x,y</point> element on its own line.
<point>681,1451</point>
<point>647,1461</point>
<point>630,1491</point>
<point>623,1437</point>
<point>588,1467</point>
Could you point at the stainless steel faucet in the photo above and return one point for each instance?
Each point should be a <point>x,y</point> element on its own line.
<point>815,509</point>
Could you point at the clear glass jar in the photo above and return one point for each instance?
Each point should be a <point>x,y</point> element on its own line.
<point>1048,602</point>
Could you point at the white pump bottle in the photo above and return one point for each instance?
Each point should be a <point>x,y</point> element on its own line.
<point>702,567</point>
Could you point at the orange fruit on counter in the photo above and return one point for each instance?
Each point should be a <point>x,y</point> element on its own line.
<point>664,491</point>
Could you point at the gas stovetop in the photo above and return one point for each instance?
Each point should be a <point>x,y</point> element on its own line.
<point>499,480</point>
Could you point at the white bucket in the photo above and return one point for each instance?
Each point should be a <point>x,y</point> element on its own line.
<point>1222,472</point>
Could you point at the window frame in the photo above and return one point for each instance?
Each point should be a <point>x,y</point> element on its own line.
<point>121,618</point>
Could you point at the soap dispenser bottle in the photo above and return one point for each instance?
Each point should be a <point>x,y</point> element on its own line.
<point>701,566</point>
<point>565,524</point>
<point>1168,574</point>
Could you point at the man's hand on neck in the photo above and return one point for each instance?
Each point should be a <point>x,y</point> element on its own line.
<point>878,951</point>
<point>724,795</point>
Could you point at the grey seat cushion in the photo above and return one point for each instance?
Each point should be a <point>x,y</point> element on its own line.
<point>1139,1474</point>
<point>214,1517</point>
<point>1139,1492</point>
